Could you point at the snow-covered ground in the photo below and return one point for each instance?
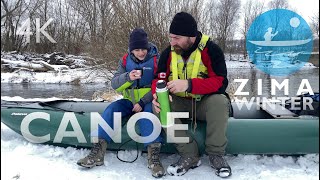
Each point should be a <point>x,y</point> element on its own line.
<point>51,68</point>
<point>23,160</point>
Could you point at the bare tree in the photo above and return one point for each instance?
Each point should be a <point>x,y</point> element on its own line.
<point>223,19</point>
<point>12,21</point>
<point>251,10</point>
<point>98,27</point>
<point>8,9</point>
<point>315,23</point>
<point>8,14</point>
<point>278,4</point>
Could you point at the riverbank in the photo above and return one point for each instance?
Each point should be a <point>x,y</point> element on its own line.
<point>314,59</point>
<point>57,68</point>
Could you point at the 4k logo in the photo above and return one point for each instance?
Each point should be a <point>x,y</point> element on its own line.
<point>24,30</point>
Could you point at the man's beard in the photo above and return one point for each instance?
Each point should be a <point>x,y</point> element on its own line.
<point>179,50</point>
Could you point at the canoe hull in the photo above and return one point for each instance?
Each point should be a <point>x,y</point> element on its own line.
<point>280,43</point>
<point>245,136</point>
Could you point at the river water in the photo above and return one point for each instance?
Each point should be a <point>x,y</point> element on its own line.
<point>85,91</point>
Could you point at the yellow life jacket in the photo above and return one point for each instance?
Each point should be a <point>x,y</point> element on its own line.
<point>134,95</point>
<point>129,89</point>
<point>192,68</point>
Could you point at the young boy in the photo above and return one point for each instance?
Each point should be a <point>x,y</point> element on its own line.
<point>133,78</point>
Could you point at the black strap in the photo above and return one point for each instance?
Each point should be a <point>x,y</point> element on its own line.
<point>123,145</point>
<point>120,149</point>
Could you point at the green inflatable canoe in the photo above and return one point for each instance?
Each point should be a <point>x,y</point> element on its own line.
<point>254,131</point>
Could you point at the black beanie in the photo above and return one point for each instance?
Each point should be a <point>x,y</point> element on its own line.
<point>184,24</point>
<point>138,39</point>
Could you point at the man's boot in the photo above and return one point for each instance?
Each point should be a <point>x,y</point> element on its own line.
<point>96,156</point>
<point>154,160</point>
<point>220,165</point>
<point>183,165</point>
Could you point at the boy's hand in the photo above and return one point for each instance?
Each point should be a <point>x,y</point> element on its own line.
<point>137,108</point>
<point>134,74</point>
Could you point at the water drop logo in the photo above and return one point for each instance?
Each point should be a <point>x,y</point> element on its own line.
<point>279,42</point>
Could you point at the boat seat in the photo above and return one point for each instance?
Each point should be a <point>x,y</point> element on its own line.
<point>254,112</point>
<point>277,111</point>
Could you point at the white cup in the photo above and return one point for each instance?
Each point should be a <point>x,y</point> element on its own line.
<point>138,73</point>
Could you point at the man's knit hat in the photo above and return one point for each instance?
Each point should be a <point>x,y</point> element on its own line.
<point>184,24</point>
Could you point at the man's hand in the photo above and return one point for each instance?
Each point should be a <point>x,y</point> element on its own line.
<point>178,85</point>
<point>137,108</point>
<point>134,74</point>
<point>156,104</point>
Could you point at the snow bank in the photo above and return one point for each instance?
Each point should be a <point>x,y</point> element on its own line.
<point>238,64</point>
<point>74,76</point>
<point>77,69</point>
<point>99,96</point>
<point>55,58</point>
<point>86,75</point>
<point>18,98</point>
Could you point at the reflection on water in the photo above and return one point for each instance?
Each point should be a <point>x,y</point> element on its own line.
<point>85,91</point>
<point>37,90</point>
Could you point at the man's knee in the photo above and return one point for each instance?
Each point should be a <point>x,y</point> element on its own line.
<point>217,100</point>
<point>218,105</point>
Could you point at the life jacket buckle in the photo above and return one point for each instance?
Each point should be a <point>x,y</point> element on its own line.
<point>198,98</point>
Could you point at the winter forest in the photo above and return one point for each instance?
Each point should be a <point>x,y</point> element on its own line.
<point>100,28</point>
